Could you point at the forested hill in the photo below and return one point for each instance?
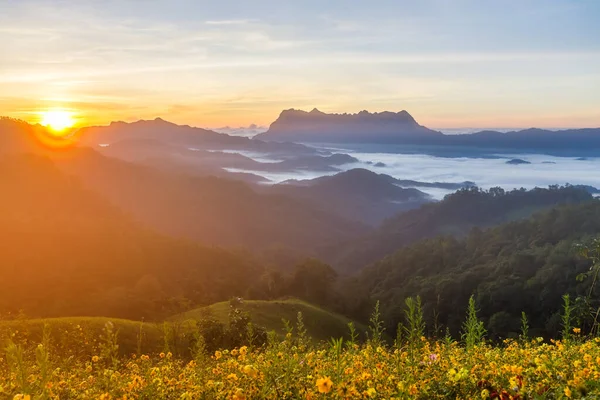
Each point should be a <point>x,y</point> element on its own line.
<point>524,265</point>
<point>64,250</point>
<point>456,215</point>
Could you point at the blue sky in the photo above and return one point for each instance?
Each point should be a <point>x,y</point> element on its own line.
<point>210,63</point>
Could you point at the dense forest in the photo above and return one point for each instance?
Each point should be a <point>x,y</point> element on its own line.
<point>521,266</point>
<point>456,215</point>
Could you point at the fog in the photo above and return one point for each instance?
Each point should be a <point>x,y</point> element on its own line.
<point>485,172</point>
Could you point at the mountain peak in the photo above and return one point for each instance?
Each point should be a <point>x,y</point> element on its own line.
<point>362,127</point>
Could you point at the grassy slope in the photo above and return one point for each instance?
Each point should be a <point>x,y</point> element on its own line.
<point>66,332</point>
<point>320,324</point>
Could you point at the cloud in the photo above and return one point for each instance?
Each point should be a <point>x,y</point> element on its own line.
<point>230,22</point>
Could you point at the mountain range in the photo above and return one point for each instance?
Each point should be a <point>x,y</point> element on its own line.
<point>389,128</point>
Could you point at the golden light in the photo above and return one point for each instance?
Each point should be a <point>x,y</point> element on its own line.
<point>57,120</point>
<point>59,130</point>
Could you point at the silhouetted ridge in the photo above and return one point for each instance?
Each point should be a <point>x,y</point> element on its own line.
<point>317,126</point>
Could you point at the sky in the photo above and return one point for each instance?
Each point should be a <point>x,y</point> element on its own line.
<point>450,63</point>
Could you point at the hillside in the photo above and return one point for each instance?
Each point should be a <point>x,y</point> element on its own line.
<point>356,194</point>
<point>65,250</point>
<point>81,334</point>
<point>211,210</point>
<point>525,265</point>
<point>320,324</point>
<point>456,215</point>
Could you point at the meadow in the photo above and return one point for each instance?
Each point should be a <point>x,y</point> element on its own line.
<point>117,359</point>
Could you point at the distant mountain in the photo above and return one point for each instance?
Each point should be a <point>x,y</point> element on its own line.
<point>210,210</point>
<point>357,194</point>
<point>517,161</point>
<point>387,128</point>
<point>364,127</point>
<point>456,215</point>
<point>183,135</point>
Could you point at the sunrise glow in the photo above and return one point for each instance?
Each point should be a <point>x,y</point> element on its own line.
<point>57,120</point>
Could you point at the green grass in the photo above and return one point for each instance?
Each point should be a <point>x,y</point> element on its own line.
<point>84,332</point>
<point>320,324</point>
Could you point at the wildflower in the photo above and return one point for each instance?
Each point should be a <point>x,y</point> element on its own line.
<point>371,392</point>
<point>218,355</point>
<point>232,377</point>
<point>95,359</point>
<point>577,330</point>
<point>234,352</point>
<point>243,350</point>
<point>162,355</point>
<point>485,394</point>
<point>250,371</point>
<point>239,395</point>
<point>568,392</point>
<point>22,397</point>
<point>324,385</point>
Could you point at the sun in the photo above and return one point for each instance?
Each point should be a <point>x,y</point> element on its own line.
<point>57,120</point>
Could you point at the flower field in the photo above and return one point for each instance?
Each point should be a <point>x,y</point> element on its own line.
<point>293,368</point>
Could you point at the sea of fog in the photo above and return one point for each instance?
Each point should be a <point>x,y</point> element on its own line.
<point>488,172</point>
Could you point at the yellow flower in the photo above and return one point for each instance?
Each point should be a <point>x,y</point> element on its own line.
<point>95,359</point>
<point>162,355</point>
<point>232,377</point>
<point>22,397</point>
<point>324,385</point>
<point>243,350</point>
<point>568,392</point>
<point>577,330</point>
<point>218,355</point>
<point>371,392</point>
<point>239,395</point>
<point>250,371</point>
<point>485,394</point>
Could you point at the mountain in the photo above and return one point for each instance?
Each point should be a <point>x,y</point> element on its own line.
<point>363,127</point>
<point>357,194</point>
<point>456,215</point>
<point>193,205</point>
<point>520,266</point>
<point>378,130</point>
<point>183,135</point>
<point>208,209</point>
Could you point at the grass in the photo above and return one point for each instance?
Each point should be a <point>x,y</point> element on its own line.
<point>319,323</point>
<point>84,332</point>
<point>147,337</point>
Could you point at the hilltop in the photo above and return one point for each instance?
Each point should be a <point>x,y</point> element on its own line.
<point>320,324</point>
<point>357,194</point>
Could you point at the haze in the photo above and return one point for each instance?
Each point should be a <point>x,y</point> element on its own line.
<point>453,64</point>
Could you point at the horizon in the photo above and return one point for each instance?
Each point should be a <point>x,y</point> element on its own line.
<point>451,66</point>
<point>234,130</point>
